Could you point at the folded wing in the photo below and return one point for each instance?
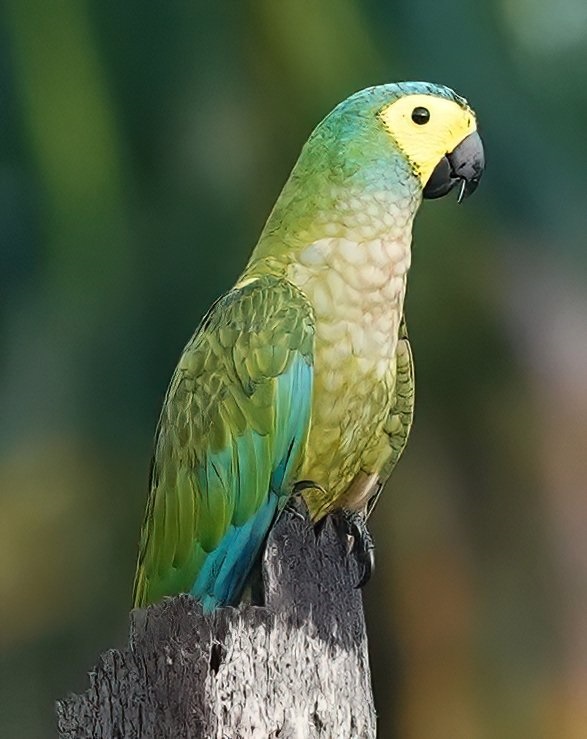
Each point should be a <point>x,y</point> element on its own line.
<point>229,443</point>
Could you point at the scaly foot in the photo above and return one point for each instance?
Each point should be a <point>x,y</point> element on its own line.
<point>362,545</point>
<point>296,505</point>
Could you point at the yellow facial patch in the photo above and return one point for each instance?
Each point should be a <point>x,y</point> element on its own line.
<point>424,144</point>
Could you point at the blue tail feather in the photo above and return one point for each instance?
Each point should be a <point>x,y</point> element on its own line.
<point>223,575</point>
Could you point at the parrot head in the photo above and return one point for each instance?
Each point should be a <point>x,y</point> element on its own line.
<point>428,125</point>
<point>437,132</point>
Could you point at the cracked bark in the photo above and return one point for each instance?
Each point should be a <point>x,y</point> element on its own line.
<point>297,667</point>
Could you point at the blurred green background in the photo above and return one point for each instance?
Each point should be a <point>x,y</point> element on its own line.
<point>142,147</point>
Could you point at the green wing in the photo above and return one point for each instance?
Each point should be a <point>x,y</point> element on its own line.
<point>399,422</point>
<point>230,440</point>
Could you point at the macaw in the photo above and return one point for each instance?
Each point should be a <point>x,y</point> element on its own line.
<point>300,379</point>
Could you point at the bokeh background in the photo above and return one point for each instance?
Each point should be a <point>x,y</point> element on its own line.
<point>142,145</point>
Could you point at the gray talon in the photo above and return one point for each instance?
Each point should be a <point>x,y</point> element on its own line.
<point>297,507</point>
<point>362,546</point>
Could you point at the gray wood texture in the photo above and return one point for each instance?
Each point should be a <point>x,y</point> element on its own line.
<point>296,668</point>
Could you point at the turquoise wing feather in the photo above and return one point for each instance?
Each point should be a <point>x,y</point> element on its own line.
<point>229,444</point>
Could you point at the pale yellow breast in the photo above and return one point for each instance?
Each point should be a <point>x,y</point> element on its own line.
<point>357,290</point>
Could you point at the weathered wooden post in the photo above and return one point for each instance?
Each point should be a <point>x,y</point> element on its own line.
<point>296,668</point>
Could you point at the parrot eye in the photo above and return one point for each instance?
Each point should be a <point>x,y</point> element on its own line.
<point>420,115</point>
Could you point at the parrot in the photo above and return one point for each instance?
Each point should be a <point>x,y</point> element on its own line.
<point>298,383</point>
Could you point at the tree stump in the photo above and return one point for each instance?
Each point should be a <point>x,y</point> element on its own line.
<point>296,668</point>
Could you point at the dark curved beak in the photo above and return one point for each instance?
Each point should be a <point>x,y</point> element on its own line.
<point>461,168</point>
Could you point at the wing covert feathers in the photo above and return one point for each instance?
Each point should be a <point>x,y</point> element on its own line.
<point>231,434</point>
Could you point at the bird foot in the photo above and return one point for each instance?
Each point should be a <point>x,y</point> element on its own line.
<point>296,506</point>
<point>360,543</point>
<point>300,504</point>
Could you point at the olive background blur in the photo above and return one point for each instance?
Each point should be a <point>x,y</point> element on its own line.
<point>142,147</point>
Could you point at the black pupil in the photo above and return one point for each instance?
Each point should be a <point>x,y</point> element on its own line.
<point>420,115</point>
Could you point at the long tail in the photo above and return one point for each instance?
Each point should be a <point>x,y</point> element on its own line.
<point>223,576</point>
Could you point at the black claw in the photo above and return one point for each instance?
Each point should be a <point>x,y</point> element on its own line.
<point>319,526</point>
<point>366,560</point>
<point>362,545</point>
<point>297,495</point>
<point>296,507</point>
